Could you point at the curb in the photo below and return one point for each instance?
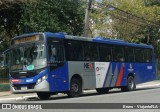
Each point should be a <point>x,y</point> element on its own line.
<point>17,98</point>
<point>148,86</point>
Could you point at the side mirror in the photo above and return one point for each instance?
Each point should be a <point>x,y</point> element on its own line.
<point>54,51</point>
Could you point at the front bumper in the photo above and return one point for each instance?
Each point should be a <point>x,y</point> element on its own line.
<point>41,87</point>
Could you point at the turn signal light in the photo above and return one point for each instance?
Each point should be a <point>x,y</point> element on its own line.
<point>15,80</point>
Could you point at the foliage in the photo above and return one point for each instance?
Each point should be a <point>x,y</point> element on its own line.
<point>9,17</point>
<point>152,2</point>
<point>140,24</point>
<point>25,16</point>
<point>54,16</point>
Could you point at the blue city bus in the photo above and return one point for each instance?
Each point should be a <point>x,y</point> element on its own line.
<point>51,63</point>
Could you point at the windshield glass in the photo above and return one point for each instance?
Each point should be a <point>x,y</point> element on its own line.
<point>17,58</point>
<point>28,57</point>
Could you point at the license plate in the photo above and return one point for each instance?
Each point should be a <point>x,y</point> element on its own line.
<point>24,88</point>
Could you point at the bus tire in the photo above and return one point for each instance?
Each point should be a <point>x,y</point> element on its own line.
<point>102,90</point>
<point>75,88</point>
<point>130,84</point>
<point>44,95</point>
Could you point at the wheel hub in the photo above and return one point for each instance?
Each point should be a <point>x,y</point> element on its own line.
<point>75,87</point>
<point>131,84</point>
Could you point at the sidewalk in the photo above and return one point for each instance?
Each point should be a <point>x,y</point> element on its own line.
<point>8,96</point>
<point>4,96</point>
<point>150,84</point>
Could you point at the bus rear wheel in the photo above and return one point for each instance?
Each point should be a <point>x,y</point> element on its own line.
<point>75,88</point>
<point>130,85</point>
<point>44,95</point>
<point>102,90</point>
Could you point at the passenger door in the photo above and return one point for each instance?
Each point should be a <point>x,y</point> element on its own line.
<point>58,66</point>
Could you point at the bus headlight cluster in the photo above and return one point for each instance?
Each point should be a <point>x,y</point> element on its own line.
<point>41,79</point>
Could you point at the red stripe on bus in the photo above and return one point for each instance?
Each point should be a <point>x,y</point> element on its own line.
<point>120,76</point>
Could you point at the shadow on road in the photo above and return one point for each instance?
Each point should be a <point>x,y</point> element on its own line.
<point>117,91</point>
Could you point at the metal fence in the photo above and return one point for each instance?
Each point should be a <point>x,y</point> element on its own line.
<point>4,75</point>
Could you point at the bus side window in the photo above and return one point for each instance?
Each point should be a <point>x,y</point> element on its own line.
<point>129,51</point>
<point>139,55</point>
<point>91,52</point>
<point>74,50</point>
<point>118,54</point>
<point>52,56</point>
<point>148,55</point>
<point>56,49</point>
<point>105,53</point>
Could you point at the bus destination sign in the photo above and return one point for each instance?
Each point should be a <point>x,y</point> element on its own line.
<point>27,39</point>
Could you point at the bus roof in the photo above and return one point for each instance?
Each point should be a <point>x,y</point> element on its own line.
<point>120,42</point>
<point>97,39</point>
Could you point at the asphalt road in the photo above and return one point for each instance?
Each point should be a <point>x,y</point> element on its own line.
<point>151,95</point>
<point>138,96</point>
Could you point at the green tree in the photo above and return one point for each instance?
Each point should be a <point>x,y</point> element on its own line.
<point>152,2</point>
<point>53,15</point>
<point>141,23</point>
<point>10,14</point>
<point>25,16</point>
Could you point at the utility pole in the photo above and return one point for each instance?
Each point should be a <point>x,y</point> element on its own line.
<point>86,21</point>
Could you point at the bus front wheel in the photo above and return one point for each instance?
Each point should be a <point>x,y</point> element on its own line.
<point>130,84</point>
<point>44,95</point>
<point>75,88</point>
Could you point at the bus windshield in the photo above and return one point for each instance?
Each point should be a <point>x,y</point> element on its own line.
<point>28,57</point>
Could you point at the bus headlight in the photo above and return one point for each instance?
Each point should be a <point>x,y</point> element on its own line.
<point>41,79</point>
<point>44,77</point>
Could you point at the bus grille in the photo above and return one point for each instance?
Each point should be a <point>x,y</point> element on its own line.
<point>29,86</point>
<point>22,74</point>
